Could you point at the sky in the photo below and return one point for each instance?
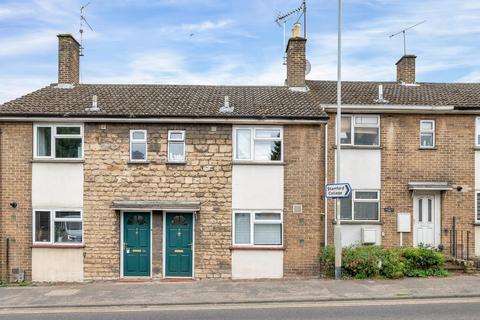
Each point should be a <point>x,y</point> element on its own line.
<point>234,41</point>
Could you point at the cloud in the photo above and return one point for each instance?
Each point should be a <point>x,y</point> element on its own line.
<point>197,27</point>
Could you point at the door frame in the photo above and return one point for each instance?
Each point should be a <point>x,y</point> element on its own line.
<point>122,218</point>
<point>437,216</point>
<point>164,242</point>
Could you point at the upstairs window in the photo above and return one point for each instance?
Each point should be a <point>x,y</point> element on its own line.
<point>138,145</point>
<point>360,130</point>
<point>258,144</point>
<point>176,146</point>
<point>427,133</point>
<point>477,132</point>
<point>361,205</point>
<point>58,142</point>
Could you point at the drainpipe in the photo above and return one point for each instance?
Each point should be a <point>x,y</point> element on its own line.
<point>325,202</point>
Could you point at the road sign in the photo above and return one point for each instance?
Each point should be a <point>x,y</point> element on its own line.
<point>338,190</point>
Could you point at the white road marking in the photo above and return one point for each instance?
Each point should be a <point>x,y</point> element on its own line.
<point>240,306</point>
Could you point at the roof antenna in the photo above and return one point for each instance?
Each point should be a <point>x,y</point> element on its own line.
<point>404,32</point>
<point>283,18</point>
<point>83,21</point>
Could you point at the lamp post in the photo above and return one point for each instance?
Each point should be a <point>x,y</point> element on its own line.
<point>337,229</point>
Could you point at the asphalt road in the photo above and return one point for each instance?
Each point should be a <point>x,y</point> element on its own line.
<point>458,309</point>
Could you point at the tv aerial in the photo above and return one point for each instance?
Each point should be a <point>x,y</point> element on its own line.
<point>83,21</point>
<point>282,19</point>
<point>404,32</point>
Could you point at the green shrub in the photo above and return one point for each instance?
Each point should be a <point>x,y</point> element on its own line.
<point>362,262</point>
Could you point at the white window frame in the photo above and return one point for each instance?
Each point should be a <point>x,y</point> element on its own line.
<point>54,136</point>
<point>145,141</point>
<point>253,221</point>
<point>54,219</point>
<point>353,126</point>
<point>354,199</point>
<point>182,132</point>
<point>432,131</point>
<point>253,131</point>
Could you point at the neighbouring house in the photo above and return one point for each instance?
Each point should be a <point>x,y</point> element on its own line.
<point>111,181</point>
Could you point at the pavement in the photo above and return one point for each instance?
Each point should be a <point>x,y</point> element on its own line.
<point>217,292</point>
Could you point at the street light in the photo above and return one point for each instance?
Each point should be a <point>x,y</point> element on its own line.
<point>337,229</point>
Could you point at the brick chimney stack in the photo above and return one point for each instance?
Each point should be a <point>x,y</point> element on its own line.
<point>296,59</point>
<point>406,69</point>
<point>68,59</point>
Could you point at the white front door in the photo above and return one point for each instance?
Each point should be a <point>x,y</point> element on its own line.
<point>424,223</point>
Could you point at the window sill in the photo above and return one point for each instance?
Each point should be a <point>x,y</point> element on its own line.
<point>252,163</point>
<point>139,162</point>
<point>427,148</point>
<point>58,246</point>
<point>257,248</point>
<point>373,222</point>
<point>359,147</point>
<point>57,161</point>
<point>476,148</point>
<point>176,162</point>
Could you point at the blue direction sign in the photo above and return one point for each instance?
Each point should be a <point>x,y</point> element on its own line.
<point>338,190</point>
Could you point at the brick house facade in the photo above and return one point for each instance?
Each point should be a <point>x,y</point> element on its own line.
<point>104,182</point>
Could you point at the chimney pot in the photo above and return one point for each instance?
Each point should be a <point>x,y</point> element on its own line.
<point>297,28</point>
<point>68,59</point>
<point>406,69</point>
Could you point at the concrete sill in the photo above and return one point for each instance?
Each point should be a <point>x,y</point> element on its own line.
<point>249,248</point>
<point>58,246</point>
<point>56,161</point>
<point>176,162</point>
<point>139,162</point>
<point>425,148</point>
<point>359,223</point>
<point>256,163</point>
<point>359,147</point>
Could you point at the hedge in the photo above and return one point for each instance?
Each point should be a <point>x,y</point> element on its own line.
<point>362,262</point>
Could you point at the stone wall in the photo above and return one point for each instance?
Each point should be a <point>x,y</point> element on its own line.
<point>15,186</point>
<point>304,168</point>
<point>206,177</point>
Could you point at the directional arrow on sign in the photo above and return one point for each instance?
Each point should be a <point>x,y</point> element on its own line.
<point>338,190</point>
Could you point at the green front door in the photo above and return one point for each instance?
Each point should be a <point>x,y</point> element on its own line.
<point>179,242</point>
<point>136,244</point>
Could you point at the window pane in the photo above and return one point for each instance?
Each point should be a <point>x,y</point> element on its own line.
<point>346,208</point>
<point>138,135</point>
<point>68,130</point>
<point>427,125</point>
<point>371,120</point>
<point>366,136</point>
<point>430,209</point>
<point>175,136</point>
<point>68,232</point>
<point>44,141</point>
<point>268,150</point>
<point>68,147</point>
<point>426,139</point>
<point>67,214</point>
<point>242,228</point>
<point>139,151</point>
<point>478,206</point>
<point>268,216</point>
<point>420,210</point>
<point>267,234</point>
<point>366,211</point>
<point>267,133</point>
<point>346,135</point>
<point>243,140</point>
<point>42,226</point>
<point>175,151</point>
<point>366,195</point>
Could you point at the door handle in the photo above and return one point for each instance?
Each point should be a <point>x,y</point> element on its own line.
<point>190,244</point>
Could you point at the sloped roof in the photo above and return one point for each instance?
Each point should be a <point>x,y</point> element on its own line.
<point>150,101</point>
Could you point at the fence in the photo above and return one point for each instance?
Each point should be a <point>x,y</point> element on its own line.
<point>460,241</point>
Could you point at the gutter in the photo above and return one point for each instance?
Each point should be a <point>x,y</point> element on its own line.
<point>25,118</point>
<point>381,108</point>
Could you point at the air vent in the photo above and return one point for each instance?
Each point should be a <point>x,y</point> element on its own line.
<point>297,208</point>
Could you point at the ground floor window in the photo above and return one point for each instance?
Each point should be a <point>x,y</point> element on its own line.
<point>477,213</point>
<point>58,226</point>
<point>361,205</point>
<point>257,228</point>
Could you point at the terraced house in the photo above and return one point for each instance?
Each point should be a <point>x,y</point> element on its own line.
<point>115,181</point>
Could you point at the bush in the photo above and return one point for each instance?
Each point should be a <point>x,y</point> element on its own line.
<point>373,261</point>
